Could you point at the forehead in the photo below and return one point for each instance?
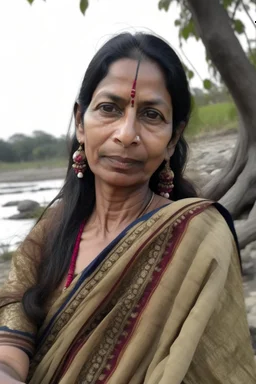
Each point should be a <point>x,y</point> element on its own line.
<point>121,74</point>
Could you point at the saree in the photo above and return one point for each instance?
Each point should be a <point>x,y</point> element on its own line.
<point>162,304</point>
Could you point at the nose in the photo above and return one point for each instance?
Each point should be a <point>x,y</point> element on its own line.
<point>127,131</point>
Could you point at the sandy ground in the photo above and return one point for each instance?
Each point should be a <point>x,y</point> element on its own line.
<point>32,175</point>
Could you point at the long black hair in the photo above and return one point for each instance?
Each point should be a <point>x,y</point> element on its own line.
<point>77,197</point>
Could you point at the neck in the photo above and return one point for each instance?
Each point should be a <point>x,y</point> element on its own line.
<point>115,208</point>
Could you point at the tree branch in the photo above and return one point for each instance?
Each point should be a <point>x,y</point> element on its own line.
<point>235,9</point>
<point>228,56</point>
<point>191,64</point>
<point>248,14</point>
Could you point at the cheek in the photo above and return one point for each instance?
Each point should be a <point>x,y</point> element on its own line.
<point>95,135</point>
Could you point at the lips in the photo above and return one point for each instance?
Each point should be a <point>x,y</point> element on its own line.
<point>125,160</point>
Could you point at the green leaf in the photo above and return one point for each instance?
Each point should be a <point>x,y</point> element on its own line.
<point>190,74</point>
<point>30,1</point>
<point>188,30</point>
<point>207,84</point>
<point>83,6</point>
<point>164,4</point>
<point>227,3</point>
<point>177,22</point>
<point>239,26</point>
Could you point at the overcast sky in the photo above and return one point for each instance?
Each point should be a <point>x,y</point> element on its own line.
<point>45,49</point>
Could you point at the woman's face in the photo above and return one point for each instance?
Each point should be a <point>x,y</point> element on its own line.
<point>110,124</point>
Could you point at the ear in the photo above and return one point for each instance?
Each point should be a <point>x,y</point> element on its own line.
<point>175,139</point>
<point>78,123</point>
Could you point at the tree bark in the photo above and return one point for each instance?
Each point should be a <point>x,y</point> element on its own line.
<point>214,27</point>
<point>246,233</point>
<point>235,185</point>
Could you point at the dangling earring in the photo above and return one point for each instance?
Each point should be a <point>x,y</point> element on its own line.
<point>165,185</point>
<point>79,162</point>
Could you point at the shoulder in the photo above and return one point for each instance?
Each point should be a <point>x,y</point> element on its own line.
<point>201,218</point>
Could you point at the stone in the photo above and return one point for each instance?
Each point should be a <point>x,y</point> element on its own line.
<point>253,254</point>
<point>28,206</point>
<point>251,320</point>
<point>253,308</point>
<point>246,255</point>
<point>250,303</point>
<point>215,172</point>
<point>253,337</point>
<point>248,268</point>
<point>13,203</point>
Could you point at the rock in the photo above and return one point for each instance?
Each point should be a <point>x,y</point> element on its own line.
<point>246,255</point>
<point>253,246</point>
<point>253,254</point>
<point>28,206</point>
<point>21,216</point>
<point>253,309</point>
<point>215,172</point>
<point>28,209</point>
<point>248,268</point>
<point>251,320</point>
<point>253,337</point>
<point>250,303</point>
<point>11,203</point>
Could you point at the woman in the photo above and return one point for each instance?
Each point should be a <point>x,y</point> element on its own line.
<point>129,278</point>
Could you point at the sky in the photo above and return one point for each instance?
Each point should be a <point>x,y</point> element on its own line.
<point>45,49</point>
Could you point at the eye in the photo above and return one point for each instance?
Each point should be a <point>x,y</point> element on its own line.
<point>109,108</point>
<point>152,114</point>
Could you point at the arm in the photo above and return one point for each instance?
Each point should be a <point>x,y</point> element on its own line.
<point>17,331</point>
<point>14,363</point>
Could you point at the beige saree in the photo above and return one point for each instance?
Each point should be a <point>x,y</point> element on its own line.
<point>162,304</point>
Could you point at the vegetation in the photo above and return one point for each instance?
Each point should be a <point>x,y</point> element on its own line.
<point>212,118</point>
<point>40,146</point>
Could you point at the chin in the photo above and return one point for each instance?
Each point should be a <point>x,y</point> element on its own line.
<point>116,179</point>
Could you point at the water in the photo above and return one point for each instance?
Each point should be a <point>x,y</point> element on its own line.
<point>12,232</point>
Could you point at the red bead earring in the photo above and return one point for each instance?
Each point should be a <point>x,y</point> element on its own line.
<point>165,185</point>
<point>79,165</point>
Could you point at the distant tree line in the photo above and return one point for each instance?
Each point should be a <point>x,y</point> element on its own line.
<point>217,94</point>
<point>38,146</point>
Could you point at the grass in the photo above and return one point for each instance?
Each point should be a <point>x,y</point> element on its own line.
<point>51,163</point>
<point>212,118</point>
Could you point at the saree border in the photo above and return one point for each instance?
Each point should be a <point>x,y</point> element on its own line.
<point>183,218</point>
<point>180,224</point>
<point>92,267</point>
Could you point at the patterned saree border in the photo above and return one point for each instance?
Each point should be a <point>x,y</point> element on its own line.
<point>81,337</point>
<point>49,337</point>
<point>180,225</point>
<point>91,268</point>
<point>175,217</point>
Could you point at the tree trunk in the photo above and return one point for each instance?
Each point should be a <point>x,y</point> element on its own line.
<point>235,185</point>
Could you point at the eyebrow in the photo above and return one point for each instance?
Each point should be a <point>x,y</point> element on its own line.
<point>118,99</point>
